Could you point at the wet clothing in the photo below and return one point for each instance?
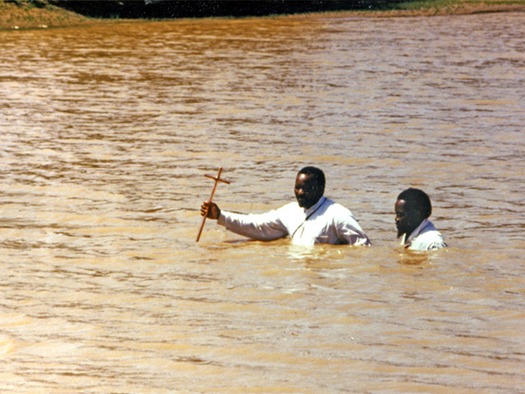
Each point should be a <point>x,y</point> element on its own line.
<point>424,237</point>
<point>325,222</point>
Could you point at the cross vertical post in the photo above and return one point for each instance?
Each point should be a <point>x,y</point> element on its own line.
<point>217,179</point>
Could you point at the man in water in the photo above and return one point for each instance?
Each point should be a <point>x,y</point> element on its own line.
<point>413,208</point>
<point>312,219</point>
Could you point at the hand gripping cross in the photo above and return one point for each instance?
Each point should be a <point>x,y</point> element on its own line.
<point>217,179</point>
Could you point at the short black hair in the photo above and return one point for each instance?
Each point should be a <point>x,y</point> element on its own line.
<point>418,200</point>
<point>316,173</point>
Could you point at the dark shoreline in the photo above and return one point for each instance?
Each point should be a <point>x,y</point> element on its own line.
<point>38,14</point>
<point>163,9</point>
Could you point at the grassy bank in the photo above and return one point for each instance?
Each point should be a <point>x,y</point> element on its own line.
<point>38,14</point>
<point>446,7</point>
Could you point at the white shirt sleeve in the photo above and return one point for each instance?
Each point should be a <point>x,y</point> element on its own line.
<point>349,231</point>
<point>431,240</point>
<point>425,237</point>
<point>262,227</point>
<point>352,234</point>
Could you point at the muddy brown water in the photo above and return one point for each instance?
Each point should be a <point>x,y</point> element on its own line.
<point>106,133</point>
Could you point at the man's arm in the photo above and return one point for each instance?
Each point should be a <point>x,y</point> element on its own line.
<point>350,232</point>
<point>261,227</point>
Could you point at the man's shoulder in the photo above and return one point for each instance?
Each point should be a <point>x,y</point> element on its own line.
<point>427,240</point>
<point>335,205</point>
<point>336,209</point>
<point>430,235</point>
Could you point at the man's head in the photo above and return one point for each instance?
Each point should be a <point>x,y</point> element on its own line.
<point>309,186</point>
<point>412,207</point>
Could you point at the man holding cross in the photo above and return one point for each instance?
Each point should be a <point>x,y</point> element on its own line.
<point>312,219</point>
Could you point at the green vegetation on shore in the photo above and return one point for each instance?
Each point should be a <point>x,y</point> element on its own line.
<point>449,7</point>
<point>38,14</point>
<point>24,14</point>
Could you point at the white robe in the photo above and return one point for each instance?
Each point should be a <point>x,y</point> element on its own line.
<point>325,222</point>
<point>424,237</point>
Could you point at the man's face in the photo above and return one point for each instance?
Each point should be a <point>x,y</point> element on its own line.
<point>407,219</point>
<point>307,191</point>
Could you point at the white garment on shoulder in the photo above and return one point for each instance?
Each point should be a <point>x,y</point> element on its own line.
<point>424,237</point>
<point>325,222</point>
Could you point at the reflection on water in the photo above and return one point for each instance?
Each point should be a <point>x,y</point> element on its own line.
<point>106,133</point>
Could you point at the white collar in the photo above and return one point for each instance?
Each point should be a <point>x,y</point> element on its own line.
<point>314,207</point>
<point>418,230</point>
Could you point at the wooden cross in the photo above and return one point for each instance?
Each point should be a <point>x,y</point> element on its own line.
<point>217,179</point>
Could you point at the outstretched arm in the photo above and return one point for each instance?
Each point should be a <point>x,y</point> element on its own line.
<point>262,227</point>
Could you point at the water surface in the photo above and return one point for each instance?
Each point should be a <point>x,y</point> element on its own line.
<point>106,133</point>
